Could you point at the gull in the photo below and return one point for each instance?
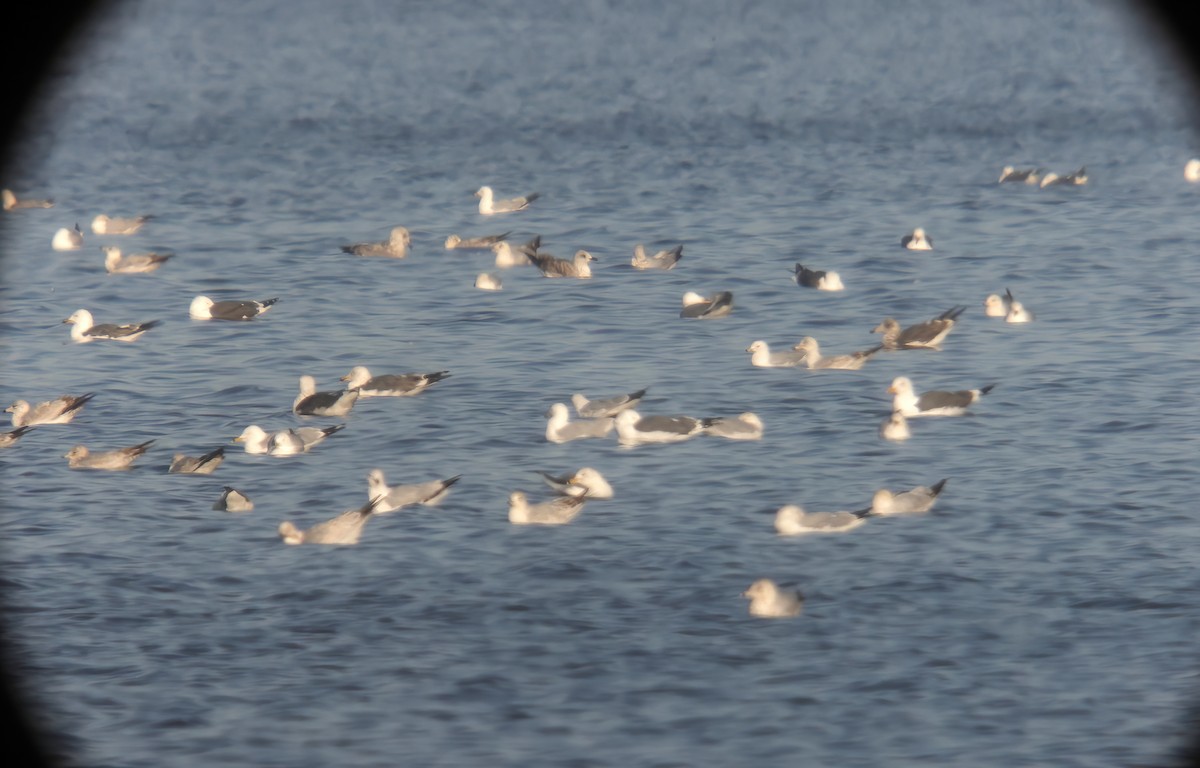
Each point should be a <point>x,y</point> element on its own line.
<point>769,601</point>
<point>389,498</point>
<point>1191,172</point>
<point>926,335</point>
<point>660,260</point>
<point>343,529</point>
<point>79,457</point>
<point>916,501</point>
<point>557,511</point>
<point>60,410</point>
<point>67,239</point>
<point>115,263</point>
<point>1075,177</point>
<point>762,356</point>
<point>201,465</point>
<point>995,306</point>
<point>8,439</point>
<point>310,402</point>
<point>933,403</point>
<point>554,267</point>
<point>489,205</point>
<point>895,428</point>
<point>792,520</point>
<point>84,329</point>
<point>745,426</point>
<point>1027,175</point>
<point>1016,310</point>
<point>390,384</point>
<point>819,279</point>
<point>560,429</point>
<point>917,241</point>
<point>508,256</point>
<point>395,246</point>
<point>483,242</point>
<point>204,308</point>
<point>633,428</point>
<point>286,442</point>
<point>12,202</point>
<point>706,307</point>
<point>606,406</point>
<point>486,282</point>
<point>233,500</point>
<point>815,361</point>
<point>106,225</point>
<point>585,481</point>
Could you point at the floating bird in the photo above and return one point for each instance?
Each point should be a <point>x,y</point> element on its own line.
<point>926,335</point>
<point>310,402</point>
<point>396,246</point>
<point>895,428</point>
<point>700,307</point>
<point>633,428</point>
<point>554,267</point>
<point>932,403</point>
<point>486,282</point>
<point>660,260</point>
<point>286,442</point>
<point>84,329</point>
<point>792,520</point>
<point>346,528</point>
<point>12,202</point>
<point>390,384</point>
<point>745,426</point>
<point>60,410</point>
<point>201,465</point>
<point>917,241</point>
<point>519,256</point>
<point>557,511</point>
<point>560,429</point>
<point>204,308</point>
<point>483,242</point>
<point>67,239</point>
<point>995,306</point>
<point>816,278</point>
<point>10,438</point>
<point>233,500</point>
<point>762,356</point>
<point>1016,310</point>
<point>108,225</point>
<point>1191,171</point>
<point>488,204</point>
<point>606,406</point>
<point>815,361</point>
<point>916,501</point>
<point>585,481</point>
<point>117,264</point>
<point>1027,175</point>
<point>79,457</point>
<point>394,497</point>
<point>769,601</point>
<point>1075,178</point>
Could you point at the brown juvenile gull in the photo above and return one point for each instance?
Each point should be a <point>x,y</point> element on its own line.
<point>560,428</point>
<point>12,202</point>
<point>917,241</point>
<point>661,260</point>
<point>79,457</point>
<point>60,410</point>
<point>606,406</point>
<point>1027,175</point>
<point>390,384</point>
<point>10,438</point>
<point>761,356</point>
<point>285,442</point>
<point>916,501</point>
<point>769,601</point>
<point>488,204</point>
<point>117,264</point>
<point>700,307</point>
<point>557,511</point>
<point>197,465</point>
<point>393,497</point>
<point>233,500</point>
<point>935,403</point>
<point>483,242</point>
<point>84,328</point>
<point>633,428</point>
<point>584,481</point>
<point>204,308</point>
<point>343,529</point>
<point>67,239</point>
<point>926,335</point>
<point>816,278</point>
<point>792,520</point>
<point>396,246</point>
<point>815,361</point>
<point>551,266</point>
<point>112,225</point>
<point>310,402</point>
<point>745,426</point>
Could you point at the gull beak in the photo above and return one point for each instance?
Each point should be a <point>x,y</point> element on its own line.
<point>891,390</point>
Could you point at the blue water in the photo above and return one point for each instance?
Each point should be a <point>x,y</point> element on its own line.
<point>1045,613</point>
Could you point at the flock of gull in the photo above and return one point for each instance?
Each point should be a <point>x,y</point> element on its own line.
<point>593,418</point>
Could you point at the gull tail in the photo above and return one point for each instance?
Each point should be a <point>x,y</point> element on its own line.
<point>938,486</point>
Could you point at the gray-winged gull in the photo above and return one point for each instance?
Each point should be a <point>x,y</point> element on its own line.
<point>917,241</point>
<point>233,500</point>
<point>1026,175</point>
<point>583,481</point>
<point>551,266</point>
<point>116,263</point>
<point>634,429</point>
<point>488,204</point>
<point>346,528</point>
<point>204,308</point>
<point>84,328</point>
<point>1016,312</point>
<point>79,457</point>
<point>11,202</point>
<point>67,239</point>
<point>744,426</point>
<point>661,260</point>
<point>508,255</point>
<point>995,306</point>
<point>1074,178</point>
<point>285,442</point>
<point>396,246</point>
<point>118,225</point>
<point>560,428</point>
<point>483,242</point>
<point>700,307</point>
<point>926,335</point>
<point>393,497</point>
<point>60,410</point>
<point>935,403</point>
<point>390,384</point>
<point>814,360</point>
<point>916,501</point>
<point>556,511</point>
<point>761,356</point>
<point>606,406</point>
<point>817,278</point>
<point>769,601</point>
<point>197,465</point>
<point>792,520</point>
<point>310,402</point>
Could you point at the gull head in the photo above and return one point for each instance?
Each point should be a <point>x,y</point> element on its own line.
<point>901,385</point>
<point>290,533</point>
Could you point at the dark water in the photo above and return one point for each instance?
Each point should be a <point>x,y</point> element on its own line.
<point>1046,613</point>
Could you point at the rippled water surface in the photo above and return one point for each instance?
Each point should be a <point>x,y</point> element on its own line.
<point>1045,613</point>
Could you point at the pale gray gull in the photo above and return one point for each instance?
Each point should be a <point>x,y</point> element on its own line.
<point>660,260</point>
<point>1016,310</point>
<point>935,403</point>
<point>1026,175</point>
<point>233,500</point>
<point>204,308</point>
<point>560,428</point>
<point>1191,171</point>
<point>551,266</point>
<point>792,520</point>
<point>197,465</point>
<point>488,282</point>
<point>995,306</point>
<point>393,497</point>
<point>483,242</point>
<point>114,225</point>
<point>917,241</point>
<point>285,442</point>
<point>488,204</point>
<point>895,428</point>
<point>115,263</point>
<point>916,501</point>
<point>769,601</point>
<point>79,457</point>
<point>1075,178</point>
<point>583,481</point>
<point>508,255</point>
<point>926,335</point>
<point>700,307</point>
<point>390,384</point>
<point>606,406</point>
<point>10,438</point>
<point>761,356</point>
<point>816,361</point>
<point>396,246</point>
<point>634,429</point>
<point>67,239</point>
<point>310,402</point>
<point>557,511</point>
<point>346,528</point>
<point>12,202</point>
<point>817,278</point>
<point>744,426</point>
<point>60,410</point>
<point>84,328</point>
